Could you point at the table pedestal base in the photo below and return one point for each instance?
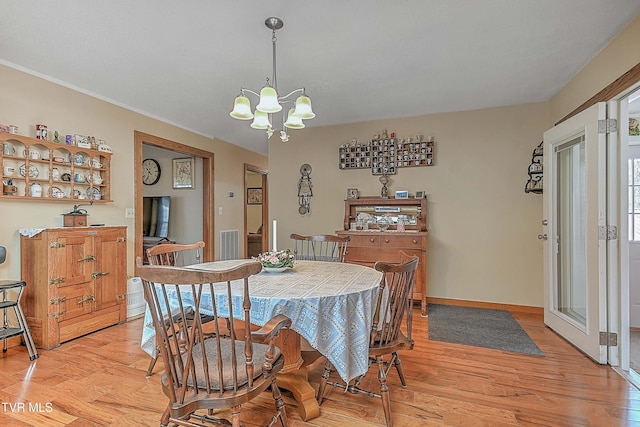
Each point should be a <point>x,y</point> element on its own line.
<point>298,384</point>
<point>294,376</point>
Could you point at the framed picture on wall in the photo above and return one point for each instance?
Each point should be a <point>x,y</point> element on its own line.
<point>254,196</point>
<point>183,173</point>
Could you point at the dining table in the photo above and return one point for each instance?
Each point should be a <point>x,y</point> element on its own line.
<point>330,305</point>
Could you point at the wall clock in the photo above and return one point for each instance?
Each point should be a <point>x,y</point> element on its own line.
<point>150,171</point>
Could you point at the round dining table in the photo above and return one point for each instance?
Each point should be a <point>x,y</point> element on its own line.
<point>330,305</point>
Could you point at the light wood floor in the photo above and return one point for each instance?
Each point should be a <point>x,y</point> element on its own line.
<point>99,380</point>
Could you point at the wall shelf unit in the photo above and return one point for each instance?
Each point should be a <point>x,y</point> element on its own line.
<point>61,172</point>
<point>535,171</point>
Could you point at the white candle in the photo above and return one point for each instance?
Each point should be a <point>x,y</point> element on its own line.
<point>275,236</point>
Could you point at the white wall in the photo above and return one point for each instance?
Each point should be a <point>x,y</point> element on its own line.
<point>483,228</point>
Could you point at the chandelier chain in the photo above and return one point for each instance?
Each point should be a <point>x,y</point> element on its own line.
<point>274,39</point>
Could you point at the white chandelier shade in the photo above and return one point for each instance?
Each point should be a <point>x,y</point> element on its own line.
<point>303,108</point>
<point>261,121</point>
<point>242,108</point>
<point>293,121</point>
<point>270,103</point>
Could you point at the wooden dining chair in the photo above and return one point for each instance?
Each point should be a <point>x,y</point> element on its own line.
<point>176,255</point>
<point>393,307</point>
<point>320,247</point>
<point>206,375</point>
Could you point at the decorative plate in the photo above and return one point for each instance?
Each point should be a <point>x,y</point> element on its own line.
<point>57,193</point>
<point>305,169</point>
<point>33,171</point>
<point>96,194</point>
<point>78,159</point>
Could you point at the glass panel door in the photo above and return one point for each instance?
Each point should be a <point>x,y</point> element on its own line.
<point>570,211</point>
<point>574,213</point>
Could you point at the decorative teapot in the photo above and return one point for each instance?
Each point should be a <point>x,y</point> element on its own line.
<point>95,178</point>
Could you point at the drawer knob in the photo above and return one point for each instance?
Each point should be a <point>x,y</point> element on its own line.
<point>415,241</point>
<point>386,240</point>
<point>371,240</point>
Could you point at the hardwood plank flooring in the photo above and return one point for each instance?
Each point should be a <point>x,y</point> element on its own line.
<point>99,380</point>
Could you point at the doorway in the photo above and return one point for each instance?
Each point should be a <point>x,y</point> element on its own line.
<point>207,183</point>
<point>613,226</point>
<point>256,210</point>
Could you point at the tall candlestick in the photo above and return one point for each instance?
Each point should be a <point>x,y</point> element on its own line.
<point>275,236</point>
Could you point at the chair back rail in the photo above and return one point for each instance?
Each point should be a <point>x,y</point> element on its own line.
<point>320,247</point>
<point>218,370</point>
<point>176,254</point>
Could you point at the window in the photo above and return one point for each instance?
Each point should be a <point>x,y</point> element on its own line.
<point>634,193</point>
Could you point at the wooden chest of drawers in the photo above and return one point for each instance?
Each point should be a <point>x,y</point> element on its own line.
<point>367,247</point>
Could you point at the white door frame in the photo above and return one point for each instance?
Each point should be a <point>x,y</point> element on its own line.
<point>618,259</point>
<point>616,216</point>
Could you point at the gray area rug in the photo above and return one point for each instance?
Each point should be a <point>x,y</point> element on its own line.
<point>479,327</point>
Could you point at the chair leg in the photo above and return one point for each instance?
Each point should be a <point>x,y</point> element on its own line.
<point>235,416</point>
<point>323,381</point>
<point>281,412</point>
<point>398,364</point>
<point>164,420</point>
<point>152,364</point>
<point>384,392</point>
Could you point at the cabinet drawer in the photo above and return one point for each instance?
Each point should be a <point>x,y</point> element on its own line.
<point>362,254</point>
<point>73,301</point>
<point>372,240</point>
<point>395,255</point>
<point>399,241</point>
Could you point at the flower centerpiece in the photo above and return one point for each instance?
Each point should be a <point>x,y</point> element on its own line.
<point>276,260</point>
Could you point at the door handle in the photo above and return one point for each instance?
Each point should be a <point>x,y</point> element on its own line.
<point>545,222</point>
<point>542,236</point>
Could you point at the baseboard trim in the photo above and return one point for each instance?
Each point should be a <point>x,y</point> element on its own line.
<point>491,305</point>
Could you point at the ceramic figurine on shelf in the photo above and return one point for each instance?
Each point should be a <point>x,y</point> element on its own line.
<point>56,136</point>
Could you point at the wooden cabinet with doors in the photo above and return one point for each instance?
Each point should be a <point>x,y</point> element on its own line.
<point>76,281</point>
<point>369,244</point>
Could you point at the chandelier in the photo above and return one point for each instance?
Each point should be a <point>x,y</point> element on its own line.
<point>270,103</point>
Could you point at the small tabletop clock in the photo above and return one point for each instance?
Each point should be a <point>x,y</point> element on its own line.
<point>150,171</point>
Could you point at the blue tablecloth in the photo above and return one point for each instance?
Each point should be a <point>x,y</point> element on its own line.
<point>330,305</point>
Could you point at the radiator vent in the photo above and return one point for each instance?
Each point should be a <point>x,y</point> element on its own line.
<point>229,241</point>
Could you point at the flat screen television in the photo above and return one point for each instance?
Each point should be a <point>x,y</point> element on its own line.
<point>155,213</point>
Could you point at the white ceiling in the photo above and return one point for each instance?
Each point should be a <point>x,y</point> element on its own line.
<point>184,61</point>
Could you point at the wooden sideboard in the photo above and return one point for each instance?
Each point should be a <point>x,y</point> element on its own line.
<point>76,281</point>
<point>371,245</point>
